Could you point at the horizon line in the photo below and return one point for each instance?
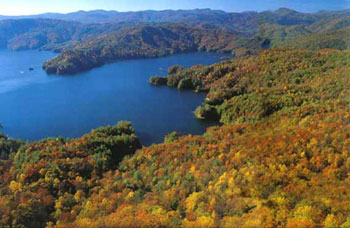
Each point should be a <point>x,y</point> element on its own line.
<point>193,9</point>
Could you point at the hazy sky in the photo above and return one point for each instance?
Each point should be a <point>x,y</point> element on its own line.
<point>26,7</point>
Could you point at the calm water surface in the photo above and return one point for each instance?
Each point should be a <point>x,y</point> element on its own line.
<point>36,106</point>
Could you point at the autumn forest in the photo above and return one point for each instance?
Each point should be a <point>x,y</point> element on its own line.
<point>278,157</point>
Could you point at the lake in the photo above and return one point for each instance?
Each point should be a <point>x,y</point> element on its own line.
<point>36,106</point>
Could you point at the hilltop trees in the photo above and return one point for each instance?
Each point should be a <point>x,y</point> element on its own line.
<point>253,88</point>
<point>281,159</point>
<point>42,182</point>
<point>143,41</point>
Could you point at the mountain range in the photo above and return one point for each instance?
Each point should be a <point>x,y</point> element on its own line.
<point>80,34</point>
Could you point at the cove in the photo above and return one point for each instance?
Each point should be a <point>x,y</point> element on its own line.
<point>36,106</point>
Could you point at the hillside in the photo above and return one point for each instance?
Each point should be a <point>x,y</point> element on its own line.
<point>102,16</point>
<point>35,175</point>
<point>338,39</point>
<point>140,42</point>
<point>240,22</point>
<point>235,21</point>
<point>324,33</point>
<point>243,33</point>
<point>280,160</point>
<point>251,89</point>
<point>49,34</point>
<point>247,34</point>
<point>246,24</point>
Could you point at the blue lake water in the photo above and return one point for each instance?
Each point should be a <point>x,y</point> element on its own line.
<point>35,105</point>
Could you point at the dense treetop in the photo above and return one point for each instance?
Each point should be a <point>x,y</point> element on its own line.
<point>35,176</point>
<point>250,89</point>
<point>280,160</point>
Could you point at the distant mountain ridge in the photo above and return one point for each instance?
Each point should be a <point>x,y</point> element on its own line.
<point>50,34</point>
<point>111,16</point>
<point>104,16</point>
<point>239,22</point>
<point>252,32</point>
<point>244,23</point>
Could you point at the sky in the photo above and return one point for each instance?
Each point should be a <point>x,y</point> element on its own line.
<point>29,7</point>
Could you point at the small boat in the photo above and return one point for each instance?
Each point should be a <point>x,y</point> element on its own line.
<point>21,72</point>
<point>31,69</point>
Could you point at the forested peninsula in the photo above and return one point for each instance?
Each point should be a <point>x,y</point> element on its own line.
<point>280,159</point>
<point>150,34</point>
